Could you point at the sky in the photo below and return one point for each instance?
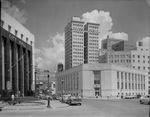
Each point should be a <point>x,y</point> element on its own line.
<point>46,19</point>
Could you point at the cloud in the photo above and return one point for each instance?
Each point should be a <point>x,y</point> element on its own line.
<point>23,1</point>
<point>104,19</point>
<point>14,11</point>
<point>148,2</point>
<point>119,35</point>
<point>50,57</point>
<point>146,41</point>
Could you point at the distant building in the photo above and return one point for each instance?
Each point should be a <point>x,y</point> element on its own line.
<point>109,42</point>
<point>43,82</point>
<point>105,79</point>
<point>60,67</point>
<point>124,46</point>
<point>16,57</point>
<point>127,55</point>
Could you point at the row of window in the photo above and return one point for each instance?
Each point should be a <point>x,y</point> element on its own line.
<point>93,34</point>
<point>130,86</point>
<point>120,61</point>
<point>94,27</point>
<point>120,56</point>
<point>75,35</point>
<point>78,42</point>
<point>16,32</point>
<point>77,59</point>
<point>81,46</point>
<point>141,61</point>
<point>78,32</point>
<point>79,25</point>
<point>138,56</point>
<point>77,56</point>
<point>96,44</point>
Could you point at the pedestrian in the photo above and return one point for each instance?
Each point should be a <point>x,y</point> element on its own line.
<point>12,97</point>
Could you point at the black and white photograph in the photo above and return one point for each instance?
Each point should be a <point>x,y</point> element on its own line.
<point>75,58</point>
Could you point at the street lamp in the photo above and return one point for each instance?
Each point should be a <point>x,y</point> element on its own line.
<point>62,81</point>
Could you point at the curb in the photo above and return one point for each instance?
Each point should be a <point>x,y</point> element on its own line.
<point>38,108</point>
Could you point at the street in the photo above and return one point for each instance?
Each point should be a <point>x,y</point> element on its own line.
<point>89,108</point>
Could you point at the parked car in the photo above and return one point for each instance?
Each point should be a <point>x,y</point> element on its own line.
<point>74,100</point>
<point>145,99</point>
<point>65,98</point>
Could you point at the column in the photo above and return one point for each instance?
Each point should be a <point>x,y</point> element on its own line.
<point>30,70</point>
<point>26,73</point>
<point>22,70</point>
<point>15,69</point>
<point>7,70</point>
<point>1,65</point>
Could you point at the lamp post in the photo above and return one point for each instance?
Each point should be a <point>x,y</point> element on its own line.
<point>62,81</point>
<point>48,103</point>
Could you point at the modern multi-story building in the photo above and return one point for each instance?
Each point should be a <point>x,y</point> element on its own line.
<point>81,42</point>
<point>91,42</point>
<point>102,79</point>
<point>74,42</point>
<point>138,58</point>
<point>16,57</point>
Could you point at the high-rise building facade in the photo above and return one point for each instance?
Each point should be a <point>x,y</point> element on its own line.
<point>91,42</point>
<point>81,42</point>
<point>74,42</point>
<point>16,57</point>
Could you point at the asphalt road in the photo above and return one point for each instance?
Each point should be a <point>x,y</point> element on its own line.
<point>89,108</point>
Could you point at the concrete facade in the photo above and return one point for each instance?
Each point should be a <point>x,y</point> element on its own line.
<point>101,79</point>
<point>16,57</point>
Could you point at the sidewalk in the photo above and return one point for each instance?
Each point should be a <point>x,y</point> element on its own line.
<point>103,98</point>
<point>42,104</point>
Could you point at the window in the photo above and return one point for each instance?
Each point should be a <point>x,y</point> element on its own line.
<point>27,40</point>
<point>30,42</point>
<point>21,36</point>
<point>16,32</point>
<point>9,28</point>
<point>117,85</point>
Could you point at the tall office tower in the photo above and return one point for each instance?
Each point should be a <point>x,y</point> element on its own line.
<point>16,57</point>
<point>91,42</point>
<point>74,42</point>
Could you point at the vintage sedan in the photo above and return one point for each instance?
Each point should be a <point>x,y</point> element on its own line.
<point>145,99</point>
<point>74,100</point>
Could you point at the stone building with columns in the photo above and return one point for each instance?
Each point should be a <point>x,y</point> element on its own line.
<point>16,57</point>
<point>102,79</point>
